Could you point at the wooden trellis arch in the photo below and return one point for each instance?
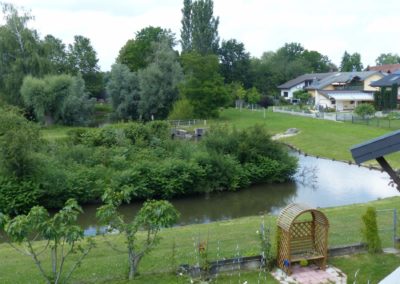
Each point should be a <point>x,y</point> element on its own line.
<point>302,239</point>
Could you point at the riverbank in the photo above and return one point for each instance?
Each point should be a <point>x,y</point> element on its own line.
<point>320,138</point>
<point>225,239</point>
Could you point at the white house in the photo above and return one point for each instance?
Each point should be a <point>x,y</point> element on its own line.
<point>300,83</point>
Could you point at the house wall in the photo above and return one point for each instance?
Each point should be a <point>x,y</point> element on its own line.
<point>371,79</point>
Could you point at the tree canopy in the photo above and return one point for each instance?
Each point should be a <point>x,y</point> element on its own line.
<point>387,58</point>
<point>351,62</point>
<point>199,31</point>
<point>136,52</point>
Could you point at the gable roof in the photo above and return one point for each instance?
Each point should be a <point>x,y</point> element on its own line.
<point>387,68</point>
<point>388,80</point>
<point>341,77</point>
<point>302,78</point>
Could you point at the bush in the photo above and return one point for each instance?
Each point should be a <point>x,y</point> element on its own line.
<point>370,231</point>
<point>181,109</point>
<point>364,110</point>
<point>17,197</point>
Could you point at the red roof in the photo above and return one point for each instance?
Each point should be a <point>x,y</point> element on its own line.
<point>388,68</point>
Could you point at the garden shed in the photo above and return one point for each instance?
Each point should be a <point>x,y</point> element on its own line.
<point>302,235</point>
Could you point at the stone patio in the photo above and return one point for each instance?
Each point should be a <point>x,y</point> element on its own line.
<point>311,275</point>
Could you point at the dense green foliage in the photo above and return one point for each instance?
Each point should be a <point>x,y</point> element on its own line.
<point>351,62</point>
<point>199,27</point>
<point>386,99</point>
<point>136,52</point>
<point>387,58</point>
<point>143,159</point>
<point>364,110</point>
<point>302,95</point>
<point>370,231</point>
<point>58,99</point>
<point>203,86</point>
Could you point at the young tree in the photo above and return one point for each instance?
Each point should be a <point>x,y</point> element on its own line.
<point>364,110</point>
<point>205,39</point>
<point>151,218</point>
<point>203,85</point>
<point>159,83</point>
<point>253,96</point>
<point>302,95</point>
<point>123,88</point>
<point>136,52</point>
<point>62,236</point>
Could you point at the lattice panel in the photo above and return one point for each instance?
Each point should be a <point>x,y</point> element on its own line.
<point>301,230</point>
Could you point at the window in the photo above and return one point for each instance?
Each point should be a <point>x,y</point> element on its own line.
<point>352,102</point>
<point>285,94</point>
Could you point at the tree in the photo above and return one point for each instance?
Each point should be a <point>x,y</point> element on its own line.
<point>204,26</point>
<point>62,236</point>
<point>234,62</point>
<point>370,231</point>
<point>182,109</point>
<point>387,58</point>
<point>151,218</point>
<point>136,52</point>
<point>55,52</point>
<point>351,62</point>
<point>186,31</point>
<point>159,83</point>
<point>20,51</point>
<point>203,85</point>
<point>123,88</point>
<point>318,63</point>
<point>83,59</point>
<point>253,96</point>
<point>58,99</point>
<point>19,141</point>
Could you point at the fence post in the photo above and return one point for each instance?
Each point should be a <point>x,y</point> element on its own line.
<point>352,119</point>
<point>394,226</point>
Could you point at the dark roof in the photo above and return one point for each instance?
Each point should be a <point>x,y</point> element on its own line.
<point>377,147</point>
<point>388,80</point>
<point>340,77</point>
<point>387,68</point>
<point>303,78</point>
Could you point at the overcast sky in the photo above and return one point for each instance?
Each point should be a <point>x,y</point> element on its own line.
<point>369,27</point>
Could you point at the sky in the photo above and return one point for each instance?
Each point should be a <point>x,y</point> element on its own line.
<point>330,27</point>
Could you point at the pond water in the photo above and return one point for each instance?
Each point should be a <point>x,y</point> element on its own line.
<point>318,182</point>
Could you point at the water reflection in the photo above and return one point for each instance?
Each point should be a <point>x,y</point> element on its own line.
<point>318,182</point>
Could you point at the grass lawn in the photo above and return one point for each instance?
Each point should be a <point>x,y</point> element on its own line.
<point>322,138</point>
<point>225,239</point>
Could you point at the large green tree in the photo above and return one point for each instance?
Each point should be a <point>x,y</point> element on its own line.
<point>58,99</point>
<point>351,62</point>
<point>203,86</point>
<point>199,27</point>
<point>20,52</point>
<point>83,59</point>
<point>159,83</point>
<point>387,58</point>
<point>123,88</point>
<point>136,52</point>
<point>234,62</point>
<point>56,53</point>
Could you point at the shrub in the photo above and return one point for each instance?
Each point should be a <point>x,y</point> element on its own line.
<point>370,231</point>
<point>181,109</point>
<point>364,110</point>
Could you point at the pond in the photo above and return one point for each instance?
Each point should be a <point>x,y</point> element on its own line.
<point>318,182</point>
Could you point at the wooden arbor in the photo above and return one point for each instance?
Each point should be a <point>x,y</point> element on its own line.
<point>303,234</point>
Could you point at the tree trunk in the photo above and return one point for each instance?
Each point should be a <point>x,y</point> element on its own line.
<point>134,260</point>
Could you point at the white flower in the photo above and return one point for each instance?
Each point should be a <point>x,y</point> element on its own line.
<point>257,232</point>
<point>245,282</point>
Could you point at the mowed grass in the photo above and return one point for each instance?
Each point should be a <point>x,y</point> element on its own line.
<point>317,137</point>
<point>225,239</point>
